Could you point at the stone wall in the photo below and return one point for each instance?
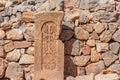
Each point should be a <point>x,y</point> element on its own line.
<point>91,35</point>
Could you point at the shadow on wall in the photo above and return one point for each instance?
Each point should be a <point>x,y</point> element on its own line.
<point>69,67</point>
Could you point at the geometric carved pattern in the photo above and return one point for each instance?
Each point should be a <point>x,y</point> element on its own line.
<point>49,50</point>
<point>49,46</point>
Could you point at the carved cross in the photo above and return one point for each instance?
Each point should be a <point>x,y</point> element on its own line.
<point>49,50</point>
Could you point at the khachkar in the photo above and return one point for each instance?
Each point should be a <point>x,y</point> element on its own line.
<point>49,50</point>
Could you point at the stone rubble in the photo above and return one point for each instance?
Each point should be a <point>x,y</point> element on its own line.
<point>2,67</point>
<point>81,61</point>
<point>14,68</point>
<point>109,58</point>
<point>26,59</point>
<point>95,68</point>
<point>13,56</point>
<point>90,33</point>
<point>14,34</point>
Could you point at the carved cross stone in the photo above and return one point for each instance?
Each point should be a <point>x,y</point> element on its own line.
<point>49,50</point>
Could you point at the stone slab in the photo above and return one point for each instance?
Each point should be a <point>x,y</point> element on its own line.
<point>49,50</point>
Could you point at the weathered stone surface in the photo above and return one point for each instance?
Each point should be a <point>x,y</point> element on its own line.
<point>91,42</point>
<point>2,68</point>
<point>14,70</point>
<point>70,68</point>
<point>81,60</point>
<point>99,27</point>
<point>105,12</point>
<point>31,2</point>
<point>106,25</point>
<point>118,6</point>
<point>2,53</point>
<point>106,36</point>
<point>69,78</point>
<point>109,16</point>
<point>112,76</point>
<point>9,46</point>
<point>8,11</point>
<point>71,3</point>
<point>8,3</point>
<point>26,59</point>
<point>84,4</point>
<point>74,16</point>
<point>2,34</point>
<point>28,16</point>
<point>14,34</point>
<point>1,19</point>
<point>6,25</point>
<point>112,27</point>
<point>89,27</point>
<point>106,17</point>
<point>79,31</point>
<point>16,78</point>
<point>68,25</point>
<point>114,47</point>
<point>23,28</point>
<point>57,3</point>
<point>117,61</point>
<point>73,47</point>
<point>13,55</point>
<point>102,47</point>
<point>30,51</point>
<point>20,1</point>
<point>94,35</point>
<point>95,67</point>
<point>23,7</point>
<point>48,27</point>
<point>80,71</point>
<point>22,44</point>
<point>29,72</point>
<point>96,17</point>
<point>115,67</point>
<point>2,6</point>
<point>76,22</point>
<point>95,56</point>
<point>66,34</point>
<point>93,4</point>
<point>29,33</point>
<point>45,6</point>
<point>85,77</point>
<point>14,11</point>
<point>18,16</point>
<point>2,42</point>
<point>109,58</point>
<point>51,5</point>
<point>83,19</point>
<point>119,55</point>
<point>116,36</point>
<point>68,18</point>
<point>30,25</point>
<point>6,19</point>
<point>86,50</point>
<point>22,51</point>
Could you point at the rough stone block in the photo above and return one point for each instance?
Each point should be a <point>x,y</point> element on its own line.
<point>49,53</point>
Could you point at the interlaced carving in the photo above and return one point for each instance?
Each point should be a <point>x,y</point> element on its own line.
<point>49,46</point>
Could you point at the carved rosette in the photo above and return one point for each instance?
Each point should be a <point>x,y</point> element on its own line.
<point>49,46</point>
